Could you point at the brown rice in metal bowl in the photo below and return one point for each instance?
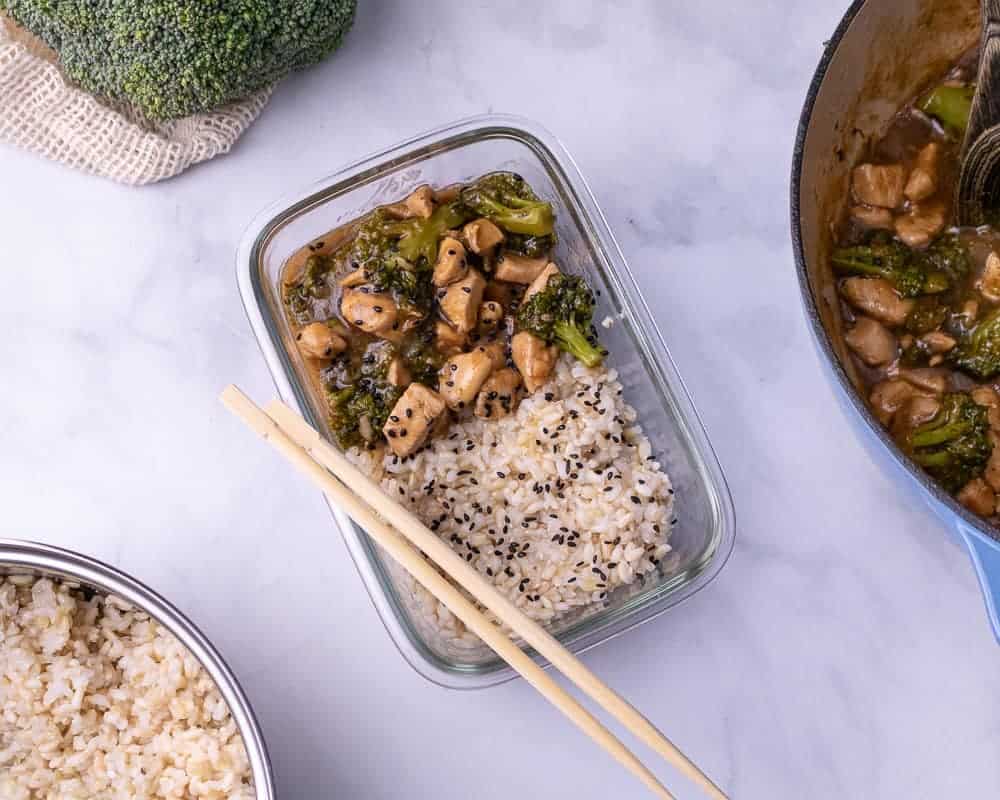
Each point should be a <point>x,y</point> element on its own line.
<point>557,504</point>
<point>98,700</point>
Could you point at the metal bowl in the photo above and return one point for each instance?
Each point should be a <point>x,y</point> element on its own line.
<point>29,558</point>
<point>882,54</point>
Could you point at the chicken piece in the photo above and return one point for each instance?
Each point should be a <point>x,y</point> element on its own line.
<point>872,217</point>
<point>922,182</point>
<point>539,283</point>
<point>978,497</point>
<point>938,342</point>
<point>373,312</point>
<point>461,300</point>
<point>930,380</point>
<point>878,185</point>
<point>499,395</point>
<point>452,263</point>
<point>447,340</point>
<point>500,292</point>
<point>872,341</point>
<point>989,283</point>
<point>490,314</point>
<point>877,298</point>
<point>888,396</point>
<point>920,224</point>
<point>481,235</point>
<point>986,396</point>
<point>496,349</point>
<point>411,418</point>
<point>448,193</point>
<point>912,413</point>
<point>317,340</point>
<point>352,280</point>
<point>969,311</point>
<point>533,358</point>
<point>462,376</point>
<point>419,203</point>
<point>519,269</point>
<point>398,374</point>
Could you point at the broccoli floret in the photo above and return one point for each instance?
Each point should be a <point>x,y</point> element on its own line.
<point>171,58</point>
<point>507,200</point>
<point>979,351</point>
<point>954,446</point>
<point>927,315</point>
<point>895,262</point>
<point>951,106</point>
<point>418,238</point>
<point>362,399</point>
<point>310,285</point>
<point>946,254</point>
<point>530,246</point>
<point>561,314</point>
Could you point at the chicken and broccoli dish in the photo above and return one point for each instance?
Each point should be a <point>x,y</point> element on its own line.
<point>444,303</point>
<point>921,297</point>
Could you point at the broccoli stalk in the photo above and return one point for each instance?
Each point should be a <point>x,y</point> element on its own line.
<point>169,59</point>
<point>561,314</point>
<point>507,200</point>
<point>950,105</point>
<point>979,352</point>
<point>954,446</point>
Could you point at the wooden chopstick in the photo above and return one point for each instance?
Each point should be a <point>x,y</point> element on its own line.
<point>486,593</point>
<point>425,573</point>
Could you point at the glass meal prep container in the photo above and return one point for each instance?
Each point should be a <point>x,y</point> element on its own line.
<point>703,535</point>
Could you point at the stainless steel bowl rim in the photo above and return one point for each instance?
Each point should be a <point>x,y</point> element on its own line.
<point>36,558</point>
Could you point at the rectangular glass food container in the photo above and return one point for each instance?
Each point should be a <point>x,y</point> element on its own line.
<point>703,536</point>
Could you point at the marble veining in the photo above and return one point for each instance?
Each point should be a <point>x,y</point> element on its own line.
<point>842,653</point>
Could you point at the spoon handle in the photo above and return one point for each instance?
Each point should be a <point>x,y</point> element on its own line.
<point>986,102</point>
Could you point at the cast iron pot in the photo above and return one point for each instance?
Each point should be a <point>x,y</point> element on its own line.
<point>882,54</point>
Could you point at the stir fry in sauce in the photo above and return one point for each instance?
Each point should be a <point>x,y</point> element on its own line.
<point>921,298</point>
<point>443,304</point>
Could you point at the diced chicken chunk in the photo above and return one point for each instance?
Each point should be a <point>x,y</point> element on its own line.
<point>460,304</point>
<point>888,396</point>
<point>878,185</point>
<point>989,283</point>
<point>462,376</point>
<point>499,395</point>
<point>914,412</point>
<point>497,352</point>
<point>482,235</point>
<point>354,279</point>
<point>373,312</point>
<point>419,203</point>
<point>452,263</point>
<point>938,342</point>
<point>490,314</point>
<point>877,298</point>
<point>925,378</point>
<point>872,341</point>
<point>317,340</point>
<point>447,340</point>
<point>448,193</point>
<point>519,269</point>
<point>986,396</point>
<point>920,224</point>
<point>922,182</point>
<point>533,358</point>
<point>539,283</point>
<point>411,418</point>
<point>398,374</point>
<point>978,497</point>
<point>872,217</point>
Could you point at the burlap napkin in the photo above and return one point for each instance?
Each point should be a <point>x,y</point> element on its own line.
<point>40,111</point>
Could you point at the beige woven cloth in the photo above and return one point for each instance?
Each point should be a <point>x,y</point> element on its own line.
<point>40,111</point>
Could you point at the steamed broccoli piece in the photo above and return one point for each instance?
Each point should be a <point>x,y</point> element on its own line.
<point>172,58</point>
<point>359,410</point>
<point>954,446</point>
<point>928,315</point>
<point>910,274</point>
<point>311,284</point>
<point>529,246</point>
<point>507,200</point>
<point>951,106</point>
<point>561,314</point>
<point>946,254</point>
<point>418,238</point>
<point>979,352</point>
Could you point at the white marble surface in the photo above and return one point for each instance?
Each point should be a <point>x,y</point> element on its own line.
<point>843,652</point>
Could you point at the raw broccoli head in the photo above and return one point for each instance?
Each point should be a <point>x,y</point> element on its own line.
<point>507,200</point>
<point>909,272</point>
<point>955,445</point>
<point>171,58</point>
<point>979,351</point>
<point>561,314</point>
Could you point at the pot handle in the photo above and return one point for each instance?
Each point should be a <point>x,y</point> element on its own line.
<point>986,559</point>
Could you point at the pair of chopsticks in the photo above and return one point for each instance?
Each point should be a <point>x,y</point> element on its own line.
<point>404,537</point>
